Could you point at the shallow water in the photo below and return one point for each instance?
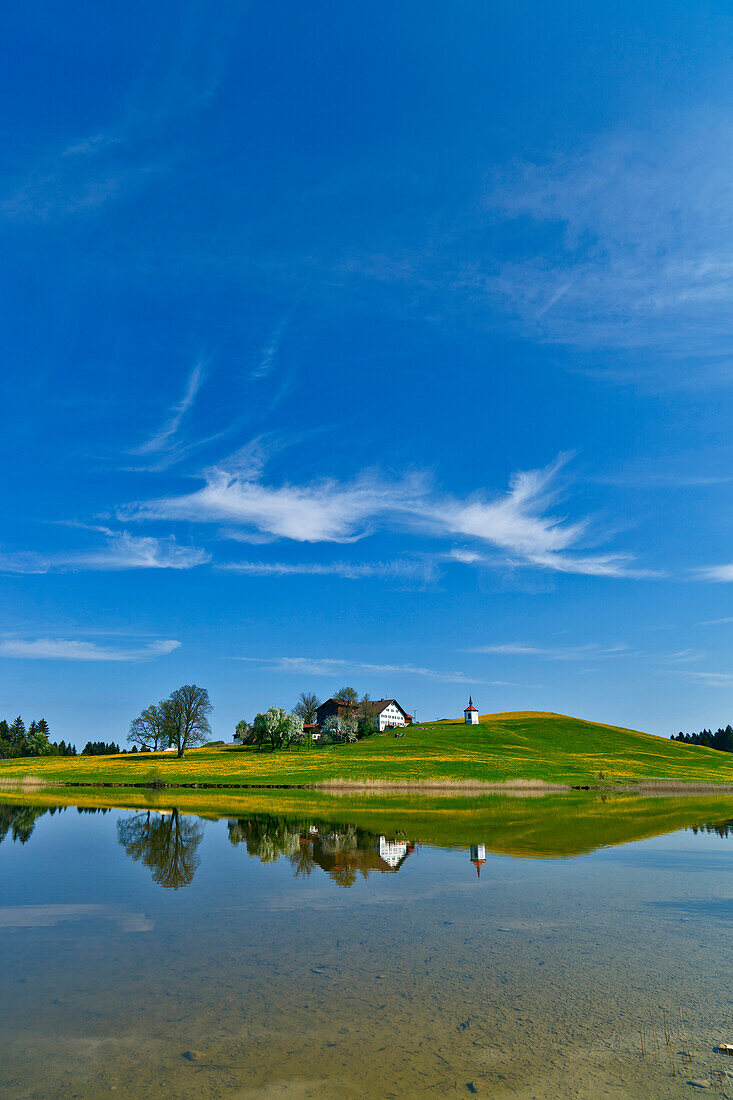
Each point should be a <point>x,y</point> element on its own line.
<point>263,955</point>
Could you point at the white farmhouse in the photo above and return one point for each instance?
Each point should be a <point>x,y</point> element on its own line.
<point>387,714</point>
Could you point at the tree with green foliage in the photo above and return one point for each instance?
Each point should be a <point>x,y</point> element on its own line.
<point>307,707</point>
<point>6,743</point>
<point>186,717</point>
<point>149,730</point>
<point>243,732</point>
<point>100,748</point>
<point>276,729</point>
<point>347,695</point>
<point>722,739</point>
<point>36,742</point>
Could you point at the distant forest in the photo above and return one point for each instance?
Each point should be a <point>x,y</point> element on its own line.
<point>722,739</point>
<point>34,740</point>
<point>17,740</point>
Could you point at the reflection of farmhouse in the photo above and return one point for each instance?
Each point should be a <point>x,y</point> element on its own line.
<point>394,852</point>
<point>343,855</point>
<point>385,714</point>
<point>342,851</point>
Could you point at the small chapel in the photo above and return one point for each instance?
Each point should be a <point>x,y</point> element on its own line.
<point>470,714</point>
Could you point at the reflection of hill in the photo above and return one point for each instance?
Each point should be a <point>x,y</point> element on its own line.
<point>551,827</point>
<point>342,851</point>
<point>273,823</point>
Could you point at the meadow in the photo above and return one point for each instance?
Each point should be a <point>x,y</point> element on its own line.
<point>521,747</point>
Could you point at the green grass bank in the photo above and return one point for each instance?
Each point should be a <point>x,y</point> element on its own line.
<point>518,747</point>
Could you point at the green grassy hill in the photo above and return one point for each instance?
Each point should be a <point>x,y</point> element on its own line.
<point>519,745</point>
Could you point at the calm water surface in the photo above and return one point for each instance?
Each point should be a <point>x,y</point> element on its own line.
<point>170,955</point>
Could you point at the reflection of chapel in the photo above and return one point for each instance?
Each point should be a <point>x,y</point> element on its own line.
<point>478,857</point>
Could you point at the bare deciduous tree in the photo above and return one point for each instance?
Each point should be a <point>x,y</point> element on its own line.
<point>307,707</point>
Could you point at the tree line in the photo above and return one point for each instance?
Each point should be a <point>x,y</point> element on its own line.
<point>722,739</point>
<point>18,740</point>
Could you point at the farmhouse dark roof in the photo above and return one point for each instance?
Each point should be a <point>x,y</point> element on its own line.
<point>378,705</point>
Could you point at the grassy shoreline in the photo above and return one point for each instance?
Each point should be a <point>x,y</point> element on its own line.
<point>515,748</point>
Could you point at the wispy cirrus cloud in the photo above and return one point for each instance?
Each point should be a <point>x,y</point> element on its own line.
<point>73,649</point>
<point>711,679</point>
<point>722,573</point>
<point>122,551</point>
<point>332,666</point>
<point>81,175</point>
<point>270,352</point>
<point>554,653</point>
<point>164,436</point>
<point>421,571</point>
<point>518,524</point>
<point>588,565</point>
<point>641,249</point>
<point>324,511</point>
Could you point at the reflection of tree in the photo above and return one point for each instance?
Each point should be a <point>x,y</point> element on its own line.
<point>20,820</point>
<point>267,838</point>
<point>342,851</point>
<point>723,828</point>
<point>167,844</point>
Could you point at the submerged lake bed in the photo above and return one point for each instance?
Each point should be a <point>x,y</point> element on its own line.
<point>320,950</point>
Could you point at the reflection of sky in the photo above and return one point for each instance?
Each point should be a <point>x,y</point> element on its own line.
<point>535,952</point>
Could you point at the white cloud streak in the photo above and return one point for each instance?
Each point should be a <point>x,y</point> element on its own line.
<point>418,571</point>
<point>635,242</point>
<point>162,439</point>
<point>555,653</point>
<point>711,679</point>
<point>721,573</point>
<point>71,649</point>
<point>269,354</point>
<point>325,511</point>
<point>122,551</point>
<point>327,666</point>
<point>518,523</point>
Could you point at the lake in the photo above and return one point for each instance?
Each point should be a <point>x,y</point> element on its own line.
<point>526,947</point>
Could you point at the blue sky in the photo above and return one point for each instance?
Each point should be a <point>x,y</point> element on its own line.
<point>380,344</point>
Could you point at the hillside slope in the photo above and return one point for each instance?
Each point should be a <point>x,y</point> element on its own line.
<point>518,745</point>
